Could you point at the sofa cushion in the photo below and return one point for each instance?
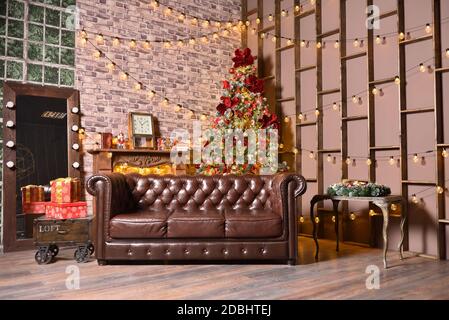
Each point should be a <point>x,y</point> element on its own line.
<point>195,224</point>
<point>139,225</point>
<point>258,223</point>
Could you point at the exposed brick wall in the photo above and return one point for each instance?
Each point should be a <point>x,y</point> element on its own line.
<point>190,76</point>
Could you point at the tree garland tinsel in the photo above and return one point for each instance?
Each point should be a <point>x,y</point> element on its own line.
<point>358,189</point>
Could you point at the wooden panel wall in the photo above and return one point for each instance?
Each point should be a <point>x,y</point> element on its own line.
<point>337,138</point>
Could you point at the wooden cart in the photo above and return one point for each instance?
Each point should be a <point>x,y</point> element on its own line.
<point>50,234</point>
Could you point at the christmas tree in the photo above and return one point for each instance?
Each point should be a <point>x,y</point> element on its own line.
<point>242,107</point>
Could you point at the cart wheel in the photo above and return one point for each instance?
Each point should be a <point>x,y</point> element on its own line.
<point>81,254</point>
<point>43,256</point>
<point>91,249</point>
<point>54,250</point>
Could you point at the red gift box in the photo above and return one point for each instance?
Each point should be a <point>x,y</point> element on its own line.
<point>34,207</point>
<point>62,211</point>
<point>32,194</point>
<point>65,190</point>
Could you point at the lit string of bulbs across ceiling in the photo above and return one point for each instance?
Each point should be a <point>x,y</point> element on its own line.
<point>225,28</point>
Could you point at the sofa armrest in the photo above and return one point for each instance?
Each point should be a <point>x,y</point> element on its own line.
<point>112,196</point>
<point>286,188</point>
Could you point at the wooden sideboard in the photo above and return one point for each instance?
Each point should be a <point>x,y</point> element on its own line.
<point>104,160</point>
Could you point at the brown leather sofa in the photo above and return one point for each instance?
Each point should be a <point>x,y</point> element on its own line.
<point>179,218</point>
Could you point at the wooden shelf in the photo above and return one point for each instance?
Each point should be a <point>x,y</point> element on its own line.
<point>416,40</point>
<point>306,68</point>
<point>305,14</point>
<point>355,118</point>
<point>328,92</point>
<point>328,34</point>
<point>286,99</point>
<point>306,124</point>
<point>386,148</point>
<point>382,81</point>
<point>419,110</point>
<point>354,56</point>
<point>291,46</point>
<point>388,14</point>
<point>419,183</point>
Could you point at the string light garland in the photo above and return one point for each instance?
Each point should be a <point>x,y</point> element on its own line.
<point>138,85</point>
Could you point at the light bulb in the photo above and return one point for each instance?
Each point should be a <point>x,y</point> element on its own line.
<point>295,151</point>
<point>124,76</point>
<point>312,155</point>
<point>447,53</point>
<point>287,119</point>
<point>397,80</point>
<point>83,34</point>
<point>440,190</point>
<point>348,161</point>
<point>137,86</point>
<point>303,43</point>
<point>229,25</point>
<point>317,112</point>
<point>335,106</point>
<point>356,43</point>
<point>216,36</point>
<point>317,220</point>
<point>284,13</point>
<point>428,28</point>
<point>297,8</point>
<point>378,40</point>
<point>355,100</point>
<point>333,219</point>
<point>206,23</point>
<point>372,213</point>
<point>83,41</point>
<point>375,91</point>
<point>205,39</point>
<point>178,108</point>
<point>337,44</point>
<point>312,2</point>
<point>132,44</point>
<point>151,94</point>
<point>248,23</point>
<point>192,41</point>
<point>167,45</point>
<point>422,68</point>
<point>111,66</point>
<point>445,154</point>
<point>203,117</point>
<point>392,161</point>
<point>270,17</point>
<point>329,158</point>
<point>147,45</point>
<point>274,39</point>
<point>319,44</point>
<point>369,162</point>
<point>301,219</point>
<point>415,199</point>
<point>182,17</point>
<point>352,216</point>
<point>165,102</point>
<point>300,116</point>
<point>217,24</point>
<point>253,31</point>
<point>416,158</point>
<point>194,21</point>
<point>401,36</point>
<point>116,42</point>
<point>97,54</point>
<point>99,38</point>
<point>289,42</point>
<point>394,207</point>
<point>258,21</point>
<point>281,146</point>
<point>225,32</point>
<point>155,4</point>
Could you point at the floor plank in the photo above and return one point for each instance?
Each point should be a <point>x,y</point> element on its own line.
<point>337,276</point>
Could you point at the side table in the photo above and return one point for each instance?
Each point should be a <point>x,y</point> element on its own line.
<point>383,203</point>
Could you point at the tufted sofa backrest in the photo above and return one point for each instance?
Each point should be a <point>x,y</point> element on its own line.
<point>202,192</point>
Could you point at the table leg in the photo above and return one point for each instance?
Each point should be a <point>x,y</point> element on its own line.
<point>403,221</point>
<point>384,207</point>
<point>313,202</point>
<point>335,203</point>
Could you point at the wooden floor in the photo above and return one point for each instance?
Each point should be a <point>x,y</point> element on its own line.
<point>336,276</point>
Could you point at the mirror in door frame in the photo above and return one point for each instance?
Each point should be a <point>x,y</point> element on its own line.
<point>13,96</point>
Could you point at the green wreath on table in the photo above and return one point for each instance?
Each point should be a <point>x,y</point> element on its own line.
<point>358,189</point>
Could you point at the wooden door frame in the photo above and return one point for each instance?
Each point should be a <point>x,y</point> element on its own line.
<point>10,92</point>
